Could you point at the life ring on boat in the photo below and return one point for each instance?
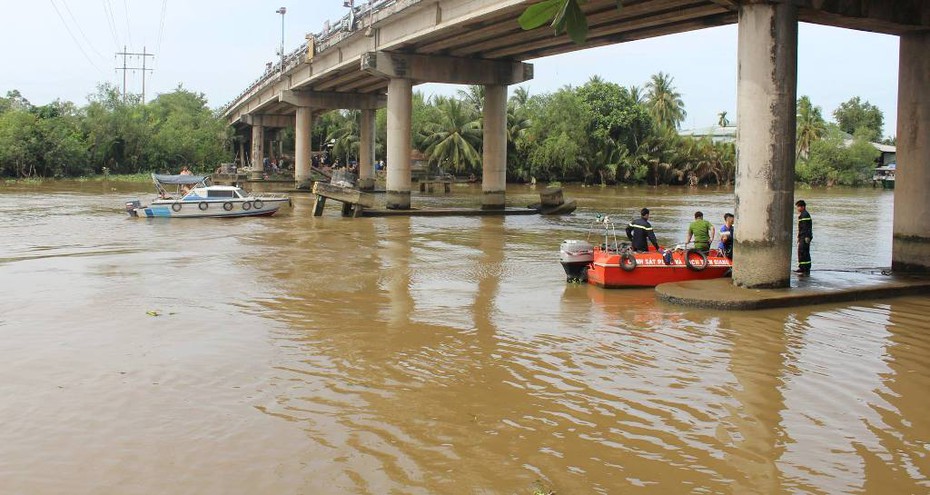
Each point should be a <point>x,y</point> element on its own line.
<point>258,204</point>
<point>628,261</point>
<point>203,206</point>
<point>701,256</point>
<point>227,206</point>
<point>246,206</point>
<point>176,207</point>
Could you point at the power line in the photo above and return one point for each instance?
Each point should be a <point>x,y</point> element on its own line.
<point>111,22</point>
<point>78,25</point>
<point>161,27</point>
<point>76,42</point>
<point>128,28</point>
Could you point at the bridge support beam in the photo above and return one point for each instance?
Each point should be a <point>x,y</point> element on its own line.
<point>766,111</point>
<point>366,151</point>
<point>399,110</point>
<point>258,151</point>
<point>303,129</point>
<point>494,167</point>
<point>911,243</point>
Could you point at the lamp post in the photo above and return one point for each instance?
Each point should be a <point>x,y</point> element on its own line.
<point>282,11</point>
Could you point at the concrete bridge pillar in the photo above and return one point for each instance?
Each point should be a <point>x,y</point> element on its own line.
<point>303,129</point>
<point>366,151</point>
<point>766,114</point>
<point>494,167</point>
<point>258,151</point>
<point>243,158</point>
<point>910,249</point>
<point>399,110</point>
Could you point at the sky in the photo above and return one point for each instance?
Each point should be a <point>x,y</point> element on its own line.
<point>62,49</point>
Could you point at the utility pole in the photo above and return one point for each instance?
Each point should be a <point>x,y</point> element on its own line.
<point>144,69</point>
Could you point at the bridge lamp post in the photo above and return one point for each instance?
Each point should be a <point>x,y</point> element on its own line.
<point>282,11</point>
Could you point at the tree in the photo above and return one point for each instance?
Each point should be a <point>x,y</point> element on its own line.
<point>811,126</point>
<point>664,102</point>
<point>853,115</point>
<point>454,139</point>
<point>344,134</point>
<point>722,120</point>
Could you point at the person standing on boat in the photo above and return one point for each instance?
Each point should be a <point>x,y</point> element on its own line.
<point>702,231</point>
<point>639,231</point>
<point>185,170</point>
<point>805,236</point>
<point>727,236</point>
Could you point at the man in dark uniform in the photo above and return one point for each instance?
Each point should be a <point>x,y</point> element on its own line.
<point>805,235</point>
<point>640,230</point>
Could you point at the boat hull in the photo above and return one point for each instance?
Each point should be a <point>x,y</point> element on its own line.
<point>226,208</point>
<point>651,268</point>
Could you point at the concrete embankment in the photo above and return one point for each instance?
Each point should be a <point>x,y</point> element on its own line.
<point>820,287</point>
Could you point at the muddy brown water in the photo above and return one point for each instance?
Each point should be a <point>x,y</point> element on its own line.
<point>295,354</point>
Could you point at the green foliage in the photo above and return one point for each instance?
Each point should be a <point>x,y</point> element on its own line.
<point>854,116</point>
<point>665,103</point>
<point>62,140</point>
<point>836,161</point>
<point>811,126</point>
<point>453,140</point>
<point>565,15</point>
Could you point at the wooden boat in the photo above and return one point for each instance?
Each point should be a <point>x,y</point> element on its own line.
<point>615,265</point>
<point>196,197</point>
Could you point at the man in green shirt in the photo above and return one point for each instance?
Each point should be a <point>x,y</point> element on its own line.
<point>702,231</point>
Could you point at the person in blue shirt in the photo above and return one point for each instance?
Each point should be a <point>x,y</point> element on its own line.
<point>726,236</point>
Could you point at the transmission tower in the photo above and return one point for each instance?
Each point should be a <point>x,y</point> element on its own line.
<point>144,56</point>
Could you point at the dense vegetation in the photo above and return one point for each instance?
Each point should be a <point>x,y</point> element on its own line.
<point>598,133</point>
<point>62,140</point>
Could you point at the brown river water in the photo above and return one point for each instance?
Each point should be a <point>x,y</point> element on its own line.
<point>415,355</point>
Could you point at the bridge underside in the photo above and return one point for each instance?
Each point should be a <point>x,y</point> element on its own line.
<point>410,42</point>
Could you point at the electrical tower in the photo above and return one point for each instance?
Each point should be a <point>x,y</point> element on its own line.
<point>144,56</point>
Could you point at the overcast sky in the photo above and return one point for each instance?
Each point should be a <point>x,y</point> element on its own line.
<point>64,48</point>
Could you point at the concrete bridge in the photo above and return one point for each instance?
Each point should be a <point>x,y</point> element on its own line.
<point>375,56</point>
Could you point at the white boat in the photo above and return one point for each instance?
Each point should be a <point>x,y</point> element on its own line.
<point>195,196</point>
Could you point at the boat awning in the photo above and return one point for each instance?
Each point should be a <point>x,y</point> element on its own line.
<point>179,179</point>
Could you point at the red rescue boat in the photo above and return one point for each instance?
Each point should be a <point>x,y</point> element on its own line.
<point>615,265</point>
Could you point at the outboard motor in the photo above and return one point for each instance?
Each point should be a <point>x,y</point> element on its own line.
<point>575,257</point>
<point>131,207</point>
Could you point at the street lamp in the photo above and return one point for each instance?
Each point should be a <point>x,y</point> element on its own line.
<point>282,11</point>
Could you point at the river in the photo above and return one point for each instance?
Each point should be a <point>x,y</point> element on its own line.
<point>418,355</point>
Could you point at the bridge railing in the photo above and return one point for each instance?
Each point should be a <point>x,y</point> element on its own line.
<point>360,17</point>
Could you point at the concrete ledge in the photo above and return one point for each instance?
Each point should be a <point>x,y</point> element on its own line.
<point>447,212</point>
<point>818,288</point>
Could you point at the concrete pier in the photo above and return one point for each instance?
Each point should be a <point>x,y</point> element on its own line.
<point>399,109</point>
<point>258,150</point>
<point>303,129</point>
<point>494,166</point>
<point>911,244</point>
<point>366,150</point>
<point>766,111</point>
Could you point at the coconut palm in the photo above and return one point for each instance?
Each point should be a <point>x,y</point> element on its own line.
<point>665,104</point>
<point>454,139</point>
<point>811,126</point>
<point>636,94</point>
<point>722,120</point>
<point>345,135</point>
<point>473,96</point>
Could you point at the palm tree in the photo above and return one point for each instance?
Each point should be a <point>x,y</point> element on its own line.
<point>455,138</point>
<point>664,102</point>
<point>474,96</point>
<point>722,120</point>
<point>811,126</point>
<point>345,135</point>
<point>520,97</point>
<point>636,94</point>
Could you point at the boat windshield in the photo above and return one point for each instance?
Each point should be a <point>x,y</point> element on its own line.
<point>242,193</point>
